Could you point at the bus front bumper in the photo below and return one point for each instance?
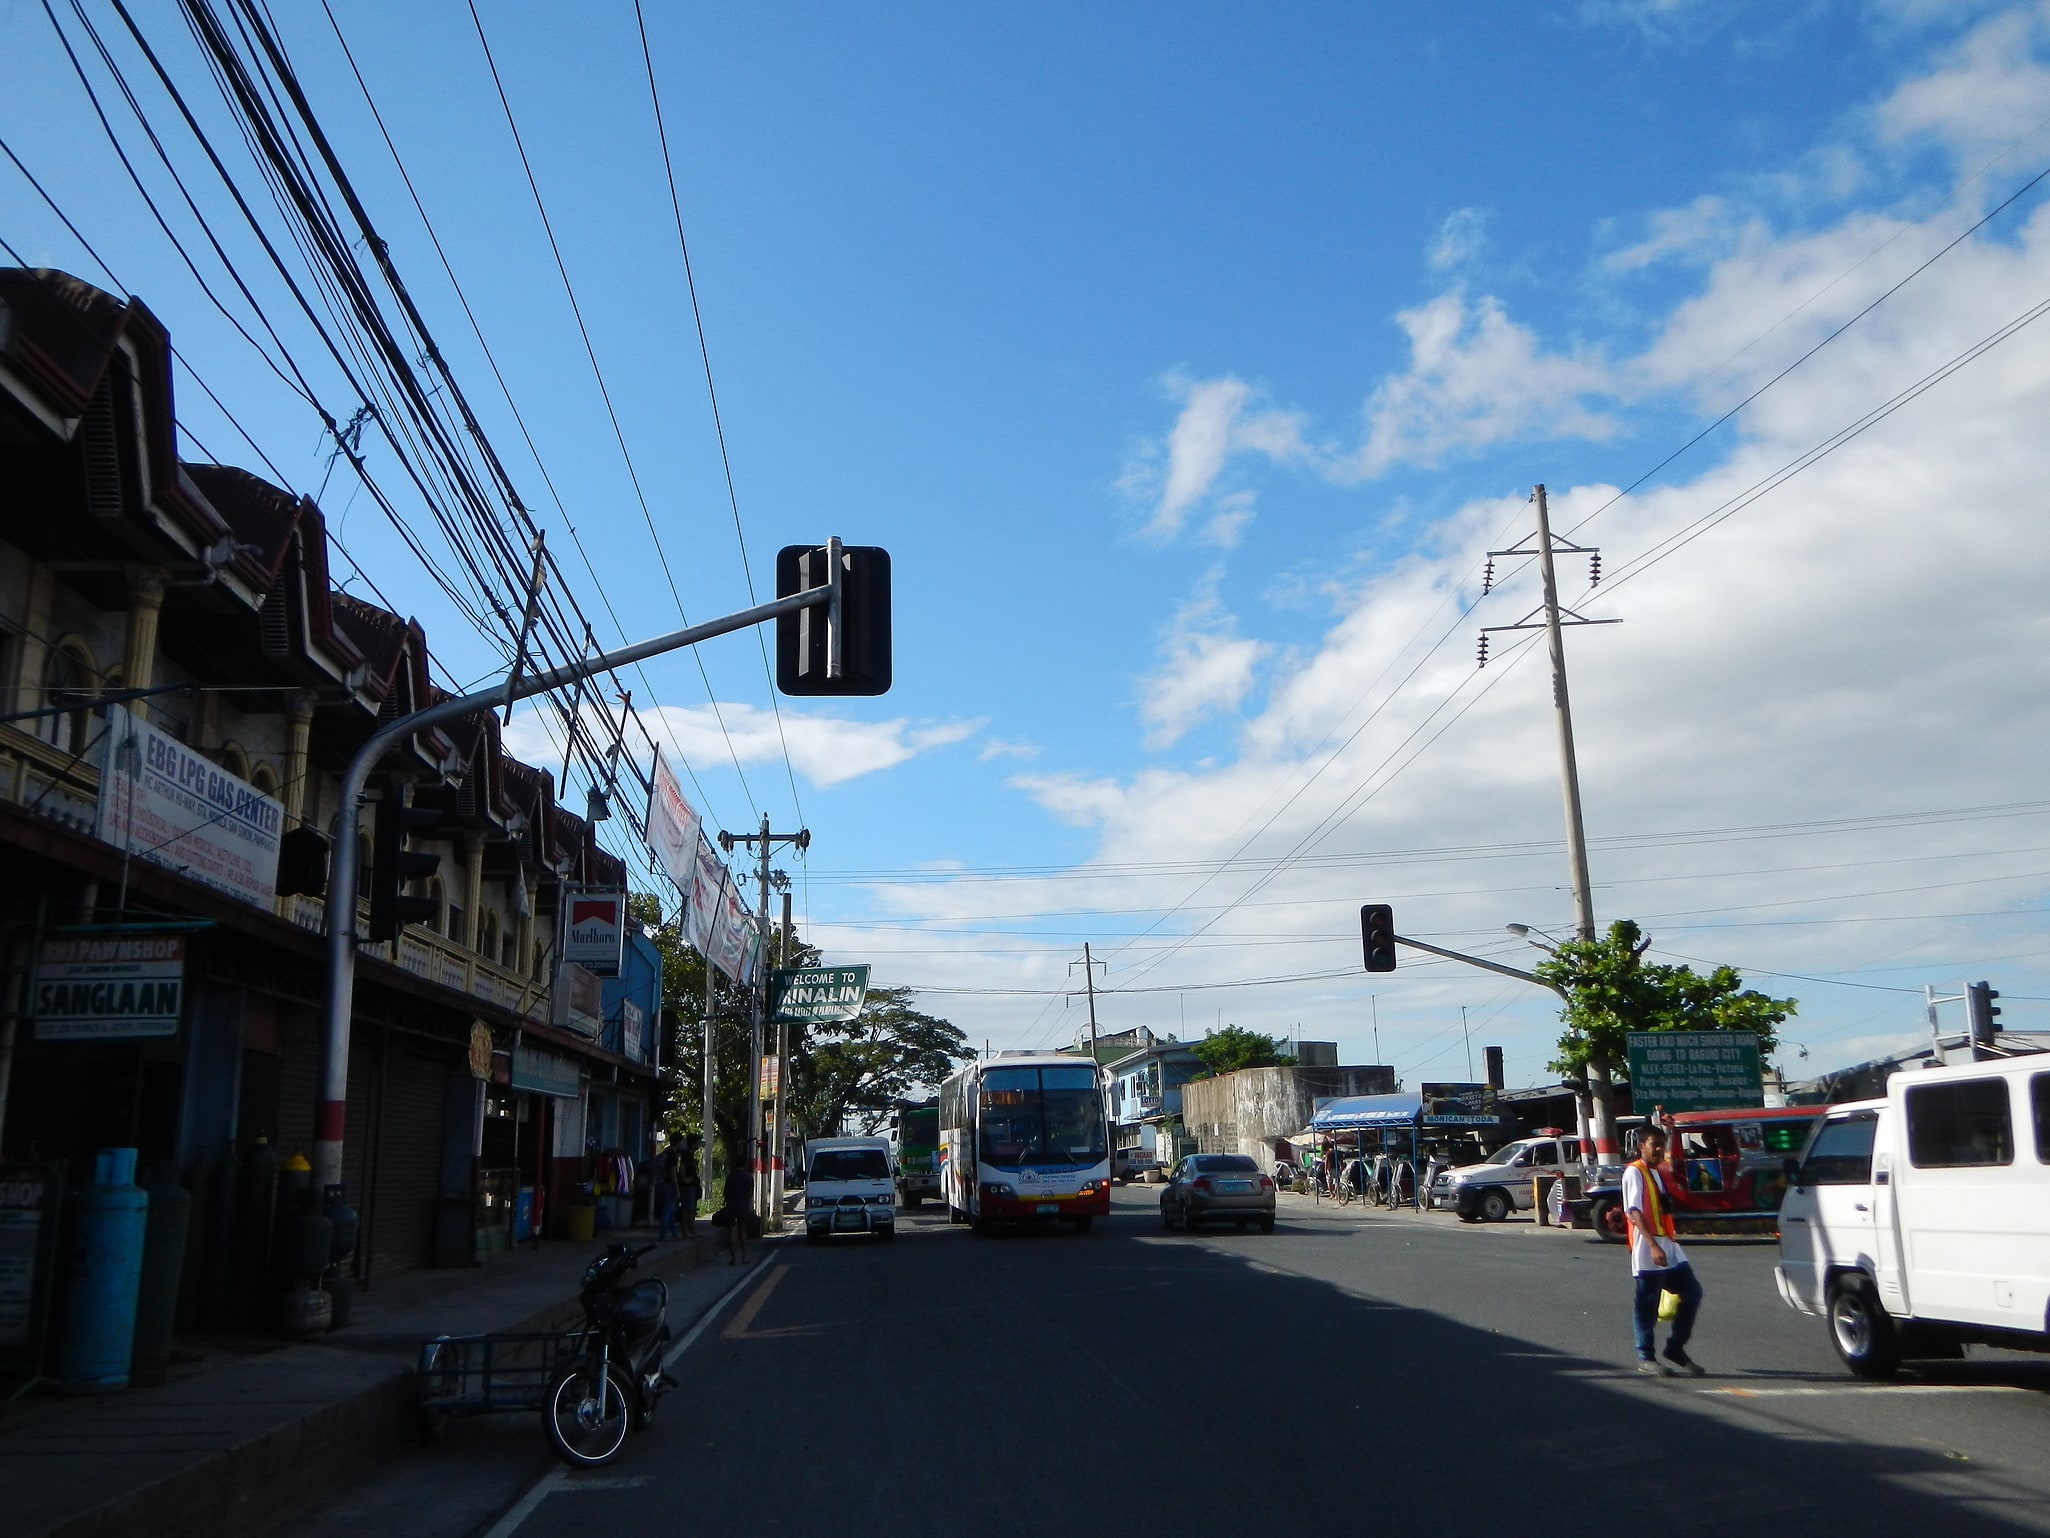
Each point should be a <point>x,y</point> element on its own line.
<point>1002,1201</point>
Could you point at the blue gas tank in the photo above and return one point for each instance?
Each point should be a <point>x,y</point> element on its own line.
<point>103,1277</point>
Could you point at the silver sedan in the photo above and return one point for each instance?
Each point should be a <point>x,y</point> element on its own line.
<point>1224,1188</point>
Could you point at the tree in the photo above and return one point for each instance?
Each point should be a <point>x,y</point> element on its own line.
<point>1233,1048</point>
<point>1610,990</point>
<point>857,1069</point>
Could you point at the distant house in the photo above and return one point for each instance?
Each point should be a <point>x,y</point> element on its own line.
<point>1146,1096</point>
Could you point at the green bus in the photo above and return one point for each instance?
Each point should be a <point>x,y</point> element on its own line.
<point>914,1134</point>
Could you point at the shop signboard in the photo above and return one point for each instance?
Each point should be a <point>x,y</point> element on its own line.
<point>27,1210</point>
<point>541,1072</point>
<point>595,931</point>
<point>1459,1105</point>
<point>480,1050</point>
<point>635,1037</point>
<point>811,994</point>
<point>162,802</point>
<point>579,1001</point>
<point>673,828</point>
<point>1695,1070</point>
<point>109,985</point>
<point>772,1076</point>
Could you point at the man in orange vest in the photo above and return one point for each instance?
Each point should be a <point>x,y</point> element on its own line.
<point>1657,1263</point>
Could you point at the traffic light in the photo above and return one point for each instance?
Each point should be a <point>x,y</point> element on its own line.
<point>1982,1012</point>
<point>393,866</point>
<point>302,862</point>
<point>1377,930</point>
<point>801,638</point>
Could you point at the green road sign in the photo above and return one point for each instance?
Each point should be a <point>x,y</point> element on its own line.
<point>1694,1070</point>
<point>817,993</point>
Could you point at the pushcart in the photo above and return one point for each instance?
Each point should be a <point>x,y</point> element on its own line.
<point>480,1374</point>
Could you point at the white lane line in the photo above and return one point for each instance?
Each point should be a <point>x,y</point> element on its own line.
<point>556,1479</point>
<point>1846,1389</point>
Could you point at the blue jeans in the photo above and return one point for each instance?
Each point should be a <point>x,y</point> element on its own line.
<point>1644,1311</point>
<point>665,1213</point>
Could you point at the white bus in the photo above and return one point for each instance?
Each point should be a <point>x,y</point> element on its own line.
<point>1025,1138</point>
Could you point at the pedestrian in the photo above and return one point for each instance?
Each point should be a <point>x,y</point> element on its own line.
<point>1657,1263</point>
<point>738,1210</point>
<point>689,1189</point>
<point>664,1192</point>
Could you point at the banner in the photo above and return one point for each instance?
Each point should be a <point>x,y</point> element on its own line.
<point>729,948</point>
<point>701,913</point>
<point>673,828</point>
<point>817,993</point>
<point>108,986</point>
<point>595,935</point>
<point>1459,1105</point>
<point>166,804</point>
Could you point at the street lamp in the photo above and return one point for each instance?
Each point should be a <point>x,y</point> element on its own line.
<point>1525,931</point>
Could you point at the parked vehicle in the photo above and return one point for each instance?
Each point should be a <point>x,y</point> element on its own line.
<point>915,1149</point>
<point>1130,1164</point>
<point>1921,1222</point>
<point>612,1383</point>
<point>1025,1138</point>
<point>1732,1165</point>
<point>849,1188</point>
<point>1490,1191</point>
<point>1205,1188</point>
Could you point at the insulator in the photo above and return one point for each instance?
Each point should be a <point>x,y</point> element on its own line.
<point>1594,569</point>
<point>1488,577</point>
<point>1483,659</point>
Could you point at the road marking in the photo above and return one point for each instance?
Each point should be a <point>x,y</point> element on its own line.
<point>1814,1391</point>
<point>737,1328</point>
<point>560,1478</point>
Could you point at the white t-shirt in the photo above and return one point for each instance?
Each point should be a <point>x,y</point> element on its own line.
<point>1640,1243</point>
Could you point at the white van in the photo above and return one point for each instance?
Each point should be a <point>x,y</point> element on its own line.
<point>849,1188</point>
<point>1921,1222</point>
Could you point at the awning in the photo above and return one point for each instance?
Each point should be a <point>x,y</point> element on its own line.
<point>1355,1112</point>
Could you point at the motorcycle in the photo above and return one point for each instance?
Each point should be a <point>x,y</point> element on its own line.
<point>615,1379</point>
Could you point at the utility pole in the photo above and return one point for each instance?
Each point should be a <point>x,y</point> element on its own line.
<point>763,843</point>
<point>782,1077</point>
<point>705,1127</point>
<point>1598,1086</point>
<point>1089,964</point>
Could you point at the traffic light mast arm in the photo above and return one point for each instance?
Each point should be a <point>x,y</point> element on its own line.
<point>1476,961</point>
<point>343,883</point>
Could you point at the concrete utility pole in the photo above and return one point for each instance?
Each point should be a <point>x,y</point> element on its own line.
<point>330,1116</point>
<point>782,1081</point>
<point>764,1161</point>
<point>1598,1086</point>
<point>705,1127</point>
<point>1089,966</point>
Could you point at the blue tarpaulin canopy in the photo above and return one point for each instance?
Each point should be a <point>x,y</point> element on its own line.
<point>1351,1113</point>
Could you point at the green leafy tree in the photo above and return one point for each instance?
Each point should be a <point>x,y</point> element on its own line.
<point>1610,990</point>
<point>852,1071</point>
<point>1234,1047</point>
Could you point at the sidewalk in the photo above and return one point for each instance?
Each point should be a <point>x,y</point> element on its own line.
<point>255,1432</point>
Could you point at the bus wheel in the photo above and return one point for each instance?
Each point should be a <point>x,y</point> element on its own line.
<point>1084,1224</point>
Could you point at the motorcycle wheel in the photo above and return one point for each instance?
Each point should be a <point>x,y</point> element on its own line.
<point>588,1418</point>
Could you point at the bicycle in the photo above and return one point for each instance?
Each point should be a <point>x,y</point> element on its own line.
<point>1341,1185</point>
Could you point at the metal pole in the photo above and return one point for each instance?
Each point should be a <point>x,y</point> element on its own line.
<point>1089,977</point>
<point>782,1089</point>
<point>330,1116</point>
<point>1576,828</point>
<point>705,1128</point>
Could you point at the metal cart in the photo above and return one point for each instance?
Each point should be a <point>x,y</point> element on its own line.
<point>480,1374</point>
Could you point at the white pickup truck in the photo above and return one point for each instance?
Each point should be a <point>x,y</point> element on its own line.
<point>1919,1223</point>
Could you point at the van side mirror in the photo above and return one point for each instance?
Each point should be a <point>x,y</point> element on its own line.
<point>1791,1167</point>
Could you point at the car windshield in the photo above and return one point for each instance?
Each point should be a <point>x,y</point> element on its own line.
<point>850,1164</point>
<point>1506,1155</point>
<point>1226,1164</point>
<point>1042,1116</point>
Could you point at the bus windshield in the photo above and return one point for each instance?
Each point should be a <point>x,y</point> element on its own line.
<point>1042,1116</point>
<point>919,1130</point>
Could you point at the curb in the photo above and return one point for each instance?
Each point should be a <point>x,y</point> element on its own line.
<point>260,1484</point>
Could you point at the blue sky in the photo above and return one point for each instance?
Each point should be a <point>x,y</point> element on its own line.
<point>1188,359</point>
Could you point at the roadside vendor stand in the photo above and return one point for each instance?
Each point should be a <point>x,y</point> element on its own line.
<point>1403,1121</point>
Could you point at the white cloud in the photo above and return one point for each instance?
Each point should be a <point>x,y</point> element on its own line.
<point>1218,418</point>
<point>1206,670</point>
<point>1459,239</point>
<point>826,750</point>
<point>1476,378</point>
<point>1700,228</point>
<point>997,747</point>
<point>1989,91</point>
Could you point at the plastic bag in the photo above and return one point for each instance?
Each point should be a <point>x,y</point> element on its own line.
<point>1669,1306</point>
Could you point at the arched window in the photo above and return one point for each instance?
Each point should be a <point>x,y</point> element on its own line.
<point>234,760</point>
<point>487,934</point>
<point>435,890</point>
<point>265,779</point>
<point>70,685</point>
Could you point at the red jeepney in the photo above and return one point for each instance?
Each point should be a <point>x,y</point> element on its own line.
<point>1726,1171</point>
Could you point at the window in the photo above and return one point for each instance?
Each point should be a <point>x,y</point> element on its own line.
<point>2039,1102</point>
<point>487,935</point>
<point>850,1164</point>
<point>68,687</point>
<point>1842,1155</point>
<point>1959,1125</point>
<point>1225,1164</point>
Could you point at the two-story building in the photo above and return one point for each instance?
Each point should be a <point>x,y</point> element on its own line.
<point>181,685</point>
<point>1146,1097</point>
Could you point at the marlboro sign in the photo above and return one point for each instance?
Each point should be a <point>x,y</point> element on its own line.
<point>594,931</point>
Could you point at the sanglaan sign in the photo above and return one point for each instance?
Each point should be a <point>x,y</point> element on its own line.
<point>1694,1070</point>
<point>817,993</point>
<point>106,986</point>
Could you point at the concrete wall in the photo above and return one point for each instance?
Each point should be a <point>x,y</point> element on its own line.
<point>1245,1112</point>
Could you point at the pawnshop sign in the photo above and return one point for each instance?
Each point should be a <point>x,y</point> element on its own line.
<point>107,987</point>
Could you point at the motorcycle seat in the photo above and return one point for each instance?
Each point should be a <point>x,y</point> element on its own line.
<point>643,1303</point>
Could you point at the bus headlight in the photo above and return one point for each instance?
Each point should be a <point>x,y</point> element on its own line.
<point>999,1191</point>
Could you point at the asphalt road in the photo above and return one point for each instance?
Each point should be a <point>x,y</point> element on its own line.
<point>1351,1369</point>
